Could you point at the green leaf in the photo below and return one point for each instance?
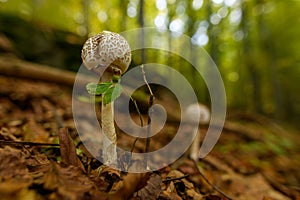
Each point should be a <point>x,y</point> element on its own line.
<point>117,92</point>
<point>109,91</point>
<point>112,93</point>
<point>98,89</point>
<point>91,88</point>
<point>103,87</point>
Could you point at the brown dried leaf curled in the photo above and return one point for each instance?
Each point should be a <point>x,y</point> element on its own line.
<point>68,150</point>
<point>153,188</point>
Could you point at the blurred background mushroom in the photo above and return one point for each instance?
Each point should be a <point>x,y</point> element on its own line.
<point>197,113</point>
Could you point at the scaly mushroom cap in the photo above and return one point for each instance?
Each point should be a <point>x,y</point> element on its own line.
<point>106,49</point>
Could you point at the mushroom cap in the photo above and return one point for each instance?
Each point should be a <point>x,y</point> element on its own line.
<point>106,49</point>
<point>197,111</point>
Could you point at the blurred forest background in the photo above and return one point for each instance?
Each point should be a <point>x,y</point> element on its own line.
<point>254,43</point>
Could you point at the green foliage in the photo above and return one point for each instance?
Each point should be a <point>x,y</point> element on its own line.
<point>98,89</point>
<point>110,91</point>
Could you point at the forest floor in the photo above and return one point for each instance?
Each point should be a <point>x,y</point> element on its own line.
<point>254,158</point>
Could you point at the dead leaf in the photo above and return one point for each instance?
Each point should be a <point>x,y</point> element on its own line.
<point>33,131</point>
<point>170,193</point>
<point>132,182</point>
<point>192,194</point>
<point>181,186</point>
<point>21,195</point>
<point>112,177</point>
<point>152,190</point>
<point>51,178</point>
<point>213,197</point>
<point>70,183</point>
<point>6,135</point>
<point>250,187</point>
<point>14,175</point>
<point>68,150</point>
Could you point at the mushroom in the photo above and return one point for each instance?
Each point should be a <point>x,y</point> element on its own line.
<point>197,113</point>
<point>108,55</point>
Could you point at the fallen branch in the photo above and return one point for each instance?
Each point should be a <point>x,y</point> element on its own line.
<point>21,143</point>
<point>12,66</point>
<point>260,119</point>
<point>209,183</point>
<point>242,130</point>
<point>175,179</point>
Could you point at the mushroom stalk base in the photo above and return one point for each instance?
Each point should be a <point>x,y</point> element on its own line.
<point>194,152</point>
<point>110,138</point>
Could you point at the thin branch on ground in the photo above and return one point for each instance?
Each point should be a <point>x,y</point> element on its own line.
<point>175,179</point>
<point>21,143</point>
<point>209,183</point>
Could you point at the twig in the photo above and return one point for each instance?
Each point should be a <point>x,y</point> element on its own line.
<point>151,100</point>
<point>292,192</point>
<point>209,183</point>
<point>141,121</point>
<point>21,143</point>
<point>175,179</point>
<point>140,117</point>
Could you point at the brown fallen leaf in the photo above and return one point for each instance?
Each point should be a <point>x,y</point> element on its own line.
<point>70,183</point>
<point>68,150</point>
<point>33,131</point>
<point>170,192</point>
<point>132,182</point>
<point>180,186</point>
<point>152,190</point>
<point>111,176</point>
<point>51,178</point>
<point>213,197</point>
<point>6,135</point>
<point>14,176</point>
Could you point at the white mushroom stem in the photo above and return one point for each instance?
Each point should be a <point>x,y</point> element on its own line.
<point>194,152</point>
<point>197,113</point>
<point>110,139</point>
<point>108,129</point>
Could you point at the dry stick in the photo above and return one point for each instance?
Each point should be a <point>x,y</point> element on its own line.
<point>175,179</point>
<point>209,183</point>
<point>141,121</point>
<point>140,117</point>
<point>151,100</point>
<point>20,143</point>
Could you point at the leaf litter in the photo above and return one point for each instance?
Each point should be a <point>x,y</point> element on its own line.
<point>34,114</point>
